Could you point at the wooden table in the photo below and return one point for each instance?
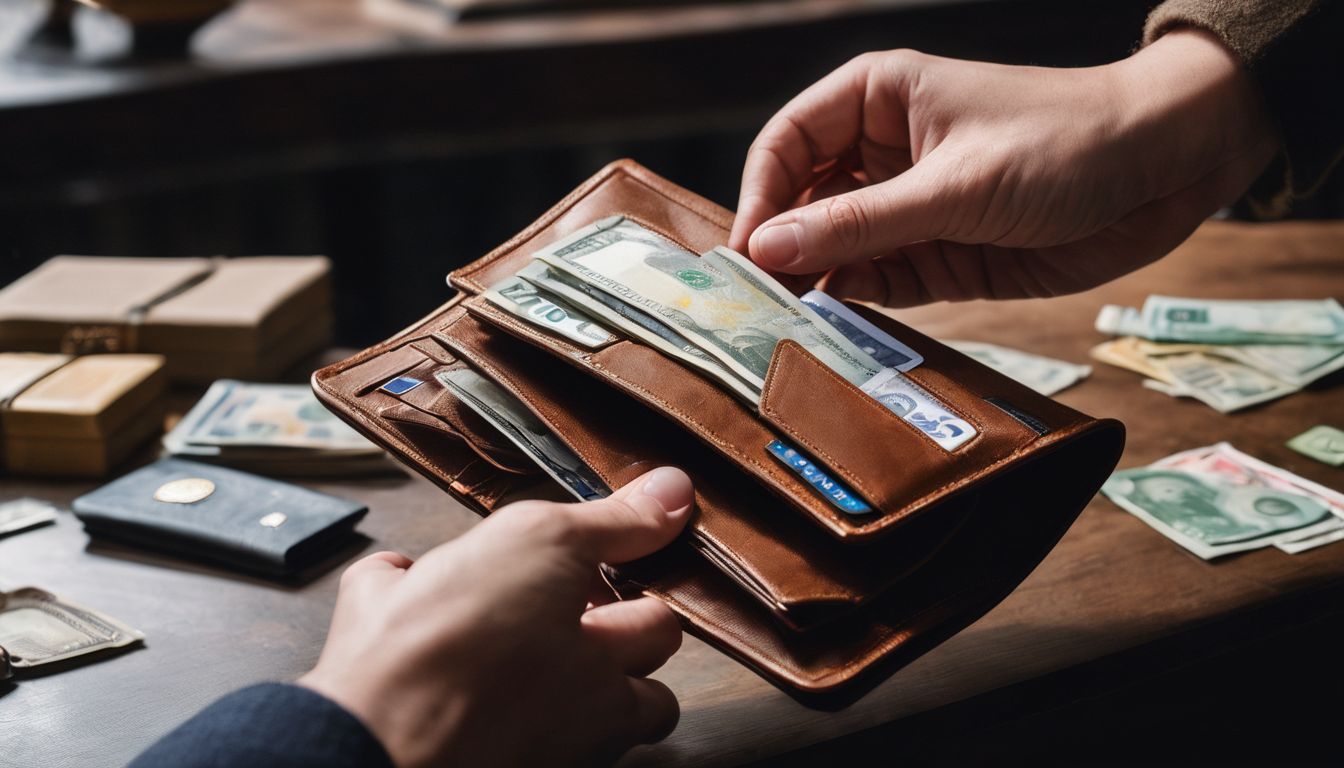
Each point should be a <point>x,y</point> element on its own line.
<point>1113,585</point>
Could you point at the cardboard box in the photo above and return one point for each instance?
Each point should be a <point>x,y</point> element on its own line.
<point>250,318</point>
<point>83,416</point>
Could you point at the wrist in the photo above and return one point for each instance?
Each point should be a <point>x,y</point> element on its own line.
<point>1190,106</point>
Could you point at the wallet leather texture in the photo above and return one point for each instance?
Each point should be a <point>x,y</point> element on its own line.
<point>245,521</point>
<point>822,603</point>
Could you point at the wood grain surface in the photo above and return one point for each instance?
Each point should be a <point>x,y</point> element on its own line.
<point>1112,584</point>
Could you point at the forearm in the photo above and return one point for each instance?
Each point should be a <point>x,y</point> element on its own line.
<point>1290,48</point>
<point>268,725</point>
<point>1190,103</point>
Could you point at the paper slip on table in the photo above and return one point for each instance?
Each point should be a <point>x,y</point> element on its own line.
<point>1111,588</point>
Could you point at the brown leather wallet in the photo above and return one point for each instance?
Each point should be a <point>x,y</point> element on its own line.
<point>822,603</point>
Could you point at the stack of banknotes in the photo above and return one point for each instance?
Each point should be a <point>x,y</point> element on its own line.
<point>1217,500</point>
<point>1226,354</point>
<point>274,429</point>
<point>37,628</point>
<point>718,314</point>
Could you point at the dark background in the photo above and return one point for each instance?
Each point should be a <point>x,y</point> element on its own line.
<point>403,165</point>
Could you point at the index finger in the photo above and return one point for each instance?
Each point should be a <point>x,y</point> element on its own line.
<point>813,130</point>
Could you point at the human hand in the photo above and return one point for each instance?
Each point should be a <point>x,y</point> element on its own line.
<point>923,179</point>
<point>482,651</point>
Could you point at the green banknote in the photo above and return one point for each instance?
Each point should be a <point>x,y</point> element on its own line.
<point>1322,443</point>
<point>1210,516</point>
<point>1169,318</point>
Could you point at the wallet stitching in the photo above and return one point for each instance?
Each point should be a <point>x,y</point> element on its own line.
<point>914,505</point>
<point>467,274</point>
<point>687,203</point>
<point>775,373</point>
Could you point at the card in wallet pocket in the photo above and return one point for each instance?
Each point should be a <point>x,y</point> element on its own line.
<point>838,533</point>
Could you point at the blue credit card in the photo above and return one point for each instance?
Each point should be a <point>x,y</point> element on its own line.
<point>401,385</point>
<point>802,466</point>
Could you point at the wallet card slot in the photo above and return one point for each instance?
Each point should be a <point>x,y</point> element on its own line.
<point>370,374</point>
<point>439,408</point>
<point>700,406</point>
<point>885,458</point>
<point>806,578</point>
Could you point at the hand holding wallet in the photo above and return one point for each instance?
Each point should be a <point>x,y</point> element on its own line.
<point>818,598</point>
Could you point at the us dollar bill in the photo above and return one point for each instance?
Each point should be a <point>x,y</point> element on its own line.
<point>521,299</point>
<point>37,627</point>
<point>1169,318</point>
<point>635,324</point>
<point>720,302</point>
<point>505,413</point>
<point>1046,375</point>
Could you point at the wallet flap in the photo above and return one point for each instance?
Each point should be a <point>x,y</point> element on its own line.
<point>621,187</point>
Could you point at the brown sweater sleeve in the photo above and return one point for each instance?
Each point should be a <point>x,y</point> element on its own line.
<point>1294,50</point>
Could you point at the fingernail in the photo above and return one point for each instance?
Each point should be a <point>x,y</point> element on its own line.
<point>777,246</point>
<point>671,488</point>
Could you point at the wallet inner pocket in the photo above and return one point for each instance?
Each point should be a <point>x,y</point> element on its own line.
<point>696,404</point>
<point>802,575</point>
<point>438,407</point>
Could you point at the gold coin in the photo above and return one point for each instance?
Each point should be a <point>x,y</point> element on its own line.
<point>188,490</point>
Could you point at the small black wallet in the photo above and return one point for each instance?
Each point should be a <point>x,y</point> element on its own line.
<point>213,513</point>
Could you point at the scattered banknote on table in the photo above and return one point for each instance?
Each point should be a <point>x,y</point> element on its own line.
<point>1217,500</point>
<point>1046,375</point>
<point>25,513</point>
<point>1227,354</point>
<point>37,627</point>
<point>1209,321</point>
<point>1322,443</point>
<point>277,429</point>
<point>717,313</point>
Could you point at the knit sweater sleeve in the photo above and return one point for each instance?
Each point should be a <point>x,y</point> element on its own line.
<point>1292,49</point>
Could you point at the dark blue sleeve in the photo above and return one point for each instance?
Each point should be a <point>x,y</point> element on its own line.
<point>268,725</point>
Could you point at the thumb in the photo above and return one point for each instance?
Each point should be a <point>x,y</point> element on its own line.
<point>856,226</point>
<point>642,517</point>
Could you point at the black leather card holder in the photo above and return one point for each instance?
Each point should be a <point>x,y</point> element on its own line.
<point>221,515</point>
